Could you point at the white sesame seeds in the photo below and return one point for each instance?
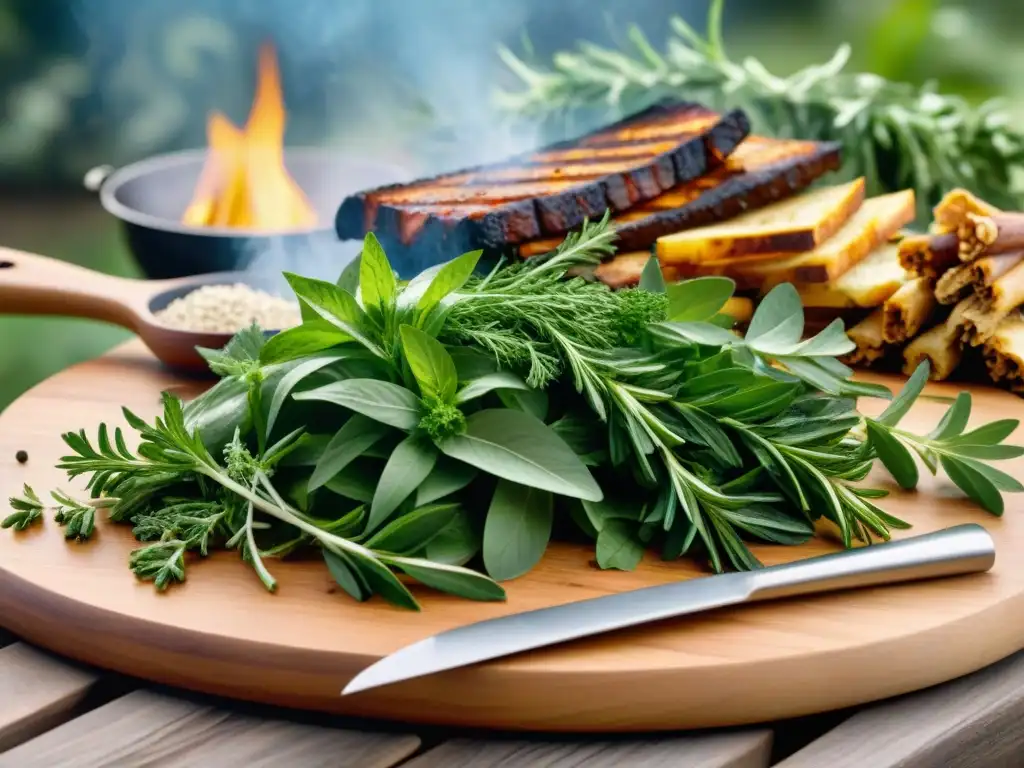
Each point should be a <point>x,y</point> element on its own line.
<point>228,309</point>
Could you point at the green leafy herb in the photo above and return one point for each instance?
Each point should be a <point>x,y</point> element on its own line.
<point>28,510</point>
<point>442,431</point>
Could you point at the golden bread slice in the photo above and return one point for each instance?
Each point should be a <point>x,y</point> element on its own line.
<point>795,225</point>
<point>868,284</point>
<point>871,226</point>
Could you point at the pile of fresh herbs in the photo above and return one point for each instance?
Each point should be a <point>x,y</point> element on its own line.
<point>450,427</point>
<point>897,135</point>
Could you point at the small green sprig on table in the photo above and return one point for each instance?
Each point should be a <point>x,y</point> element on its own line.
<point>897,135</point>
<point>449,427</point>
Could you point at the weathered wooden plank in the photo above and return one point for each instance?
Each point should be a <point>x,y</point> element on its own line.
<point>743,749</point>
<point>147,728</point>
<point>972,722</point>
<point>37,692</point>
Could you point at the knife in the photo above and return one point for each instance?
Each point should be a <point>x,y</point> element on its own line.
<point>953,551</point>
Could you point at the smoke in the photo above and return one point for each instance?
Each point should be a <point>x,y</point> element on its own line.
<point>407,82</point>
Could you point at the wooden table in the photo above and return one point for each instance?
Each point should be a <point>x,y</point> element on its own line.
<point>55,714</point>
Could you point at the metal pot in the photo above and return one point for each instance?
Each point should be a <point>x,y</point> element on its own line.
<point>149,197</point>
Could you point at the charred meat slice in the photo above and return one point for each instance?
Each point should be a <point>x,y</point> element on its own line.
<point>550,191</point>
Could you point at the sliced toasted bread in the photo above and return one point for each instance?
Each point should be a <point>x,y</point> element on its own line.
<point>875,221</point>
<point>760,172</point>
<point>867,284</point>
<point>796,225</point>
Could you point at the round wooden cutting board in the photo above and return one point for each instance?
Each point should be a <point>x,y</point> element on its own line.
<point>222,633</point>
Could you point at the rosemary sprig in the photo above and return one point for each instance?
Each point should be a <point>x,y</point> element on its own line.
<point>27,510</point>
<point>896,134</point>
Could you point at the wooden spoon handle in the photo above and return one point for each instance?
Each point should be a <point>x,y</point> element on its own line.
<point>37,285</point>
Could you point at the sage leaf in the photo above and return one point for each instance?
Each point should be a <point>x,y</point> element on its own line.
<point>457,543</point>
<point>449,278</point>
<point>413,531</point>
<point>377,282</point>
<point>598,513</point>
<point>831,342</point>
<point>307,339</point>
<point>447,477</point>
<point>408,466</point>
<point>989,452</point>
<point>351,441</point>
<point>380,579</point>
<point>903,402</point>
<point>517,529</point>
<point>291,379</point>
<point>778,321</point>
<point>695,333</point>
<point>450,578</point>
<point>651,278</point>
<point>894,455</point>
<point>698,299</point>
<point>618,546</point>
<point>516,446</point>
<point>336,306</point>
<point>431,365</point>
<point>975,484</point>
<point>382,401</point>
<point>347,576</point>
<point>488,383</point>
<point>531,401</point>
<point>997,477</point>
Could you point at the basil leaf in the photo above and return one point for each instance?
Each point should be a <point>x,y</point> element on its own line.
<point>516,446</point>
<point>778,321</point>
<point>413,531</point>
<point>894,455</point>
<point>699,299</point>
<point>306,339</point>
<point>347,576</point>
<point>902,403</point>
<point>431,365</point>
<point>456,544</point>
<point>618,546</point>
<point>336,306</point>
<point>472,364</point>
<point>447,477</point>
<point>291,379</point>
<point>651,278</point>
<point>351,441</point>
<point>377,282</point>
<point>449,578</point>
<point>488,383</point>
<point>975,484</point>
<point>238,355</point>
<point>380,400</point>
<point>517,529</point>
<point>348,280</point>
<point>450,277</point>
<point>408,466</point>
<point>531,401</point>
<point>695,333</point>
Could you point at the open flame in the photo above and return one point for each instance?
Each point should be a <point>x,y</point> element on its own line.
<point>244,181</point>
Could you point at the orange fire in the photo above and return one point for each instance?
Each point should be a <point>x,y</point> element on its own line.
<point>244,182</point>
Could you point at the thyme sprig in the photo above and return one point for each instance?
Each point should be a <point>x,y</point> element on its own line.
<point>897,135</point>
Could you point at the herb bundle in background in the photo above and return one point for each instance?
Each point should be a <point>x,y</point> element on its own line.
<point>897,135</point>
<point>447,429</point>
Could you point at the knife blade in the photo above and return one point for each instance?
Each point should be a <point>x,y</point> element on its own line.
<point>958,550</point>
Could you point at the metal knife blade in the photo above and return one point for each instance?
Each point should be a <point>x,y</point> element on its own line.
<point>958,550</point>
